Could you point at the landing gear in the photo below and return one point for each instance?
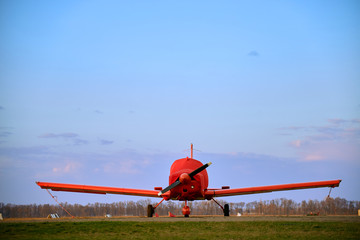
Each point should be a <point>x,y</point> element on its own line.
<point>225,209</point>
<point>186,210</point>
<point>150,211</point>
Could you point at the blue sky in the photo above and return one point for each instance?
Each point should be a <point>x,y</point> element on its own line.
<point>112,92</point>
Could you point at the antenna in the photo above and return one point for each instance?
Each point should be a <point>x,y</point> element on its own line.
<point>192,150</point>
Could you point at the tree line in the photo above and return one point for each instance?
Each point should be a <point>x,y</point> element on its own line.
<point>282,206</point>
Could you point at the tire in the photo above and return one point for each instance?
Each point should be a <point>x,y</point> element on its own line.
<point>186,215</point>
<point>150,211</point>
<point>226,210</point>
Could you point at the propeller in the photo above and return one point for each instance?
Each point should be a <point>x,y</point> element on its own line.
<point>184,178</point>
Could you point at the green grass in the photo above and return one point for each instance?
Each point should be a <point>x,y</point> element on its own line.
<point>180,230</point>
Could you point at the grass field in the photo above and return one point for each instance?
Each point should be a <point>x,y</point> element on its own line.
<point>178,228</point>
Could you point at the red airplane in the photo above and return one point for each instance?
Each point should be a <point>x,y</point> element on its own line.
<point>188,181</point>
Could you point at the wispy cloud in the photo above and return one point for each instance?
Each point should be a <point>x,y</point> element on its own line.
<point>66,136</point>
<point>78,141</point>
<point>133,169</point>
<point>287,131</point>
<point>23,151</point>
<point>61,135</point>
<point>338,140</point>
<point>336,120</point>
<point>105,142</point>
<point>23,160</point>
<point>5,134</point>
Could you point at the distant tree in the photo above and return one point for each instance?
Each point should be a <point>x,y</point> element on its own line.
<point>328,206</point>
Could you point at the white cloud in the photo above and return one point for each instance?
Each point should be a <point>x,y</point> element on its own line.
<point>67,167</point>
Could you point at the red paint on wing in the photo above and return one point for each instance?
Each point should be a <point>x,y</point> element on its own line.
<point>209,194</point>
<point>96,189</point>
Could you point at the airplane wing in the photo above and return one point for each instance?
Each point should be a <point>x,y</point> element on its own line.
<point>210,193</point>
<point>97,189</point>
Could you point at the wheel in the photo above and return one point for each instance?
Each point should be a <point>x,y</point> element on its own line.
<point>226,210</point>
<point>150,210</point>
<point>186,215</point>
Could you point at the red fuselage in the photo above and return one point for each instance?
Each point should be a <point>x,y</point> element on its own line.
<point>190,189</point>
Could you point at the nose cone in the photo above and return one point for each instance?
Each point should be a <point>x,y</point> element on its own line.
<point>184,178</point>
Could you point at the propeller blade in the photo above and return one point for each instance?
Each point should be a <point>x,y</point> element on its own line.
<point>177,182</point>
<point>196,171</point>
<point>174,184</point>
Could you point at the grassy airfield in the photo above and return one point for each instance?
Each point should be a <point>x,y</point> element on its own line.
<point>331,227</point>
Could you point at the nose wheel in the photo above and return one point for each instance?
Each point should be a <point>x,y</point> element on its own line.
<point>186,210</point>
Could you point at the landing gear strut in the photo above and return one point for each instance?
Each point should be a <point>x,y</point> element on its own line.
<point>151,209</point>
<point>225,209</point>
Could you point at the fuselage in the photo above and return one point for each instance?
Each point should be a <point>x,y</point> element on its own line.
<point>190,189</point>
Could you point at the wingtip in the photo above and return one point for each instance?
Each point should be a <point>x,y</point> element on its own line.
<point>209,163</point>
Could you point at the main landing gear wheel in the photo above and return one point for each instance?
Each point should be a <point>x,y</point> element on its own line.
<point>226,210</point>
<point>150,210</point>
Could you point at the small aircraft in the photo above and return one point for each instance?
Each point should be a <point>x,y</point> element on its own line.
<point>188,181</point>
